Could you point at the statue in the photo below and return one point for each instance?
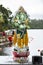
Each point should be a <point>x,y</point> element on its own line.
<point>20,37</point>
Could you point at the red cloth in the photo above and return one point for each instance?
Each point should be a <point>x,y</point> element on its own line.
<point>10,38</point>
<point>21,54</point>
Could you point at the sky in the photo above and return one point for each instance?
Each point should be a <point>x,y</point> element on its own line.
<point>33,7</point>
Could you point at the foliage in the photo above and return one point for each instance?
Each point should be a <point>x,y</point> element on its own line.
<point>4,18</point>
<point>36,24</point>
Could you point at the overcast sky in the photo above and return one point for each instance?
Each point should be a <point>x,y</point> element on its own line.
<point>33,7</point>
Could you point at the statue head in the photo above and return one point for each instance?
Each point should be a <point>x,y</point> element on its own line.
<point>21,19</point>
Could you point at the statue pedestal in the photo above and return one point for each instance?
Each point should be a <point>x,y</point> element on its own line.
<point>20,55</point>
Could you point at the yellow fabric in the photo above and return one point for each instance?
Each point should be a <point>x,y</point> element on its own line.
<point>18,40</point>
<point>14,38</point>
<point>26,39</point>
<point>21,42</point>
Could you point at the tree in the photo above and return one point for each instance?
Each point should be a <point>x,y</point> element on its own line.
<point>4,18</point>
